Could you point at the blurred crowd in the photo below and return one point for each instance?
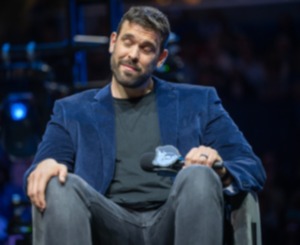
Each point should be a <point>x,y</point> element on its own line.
<point>252,57</point>
<point>255,67</point>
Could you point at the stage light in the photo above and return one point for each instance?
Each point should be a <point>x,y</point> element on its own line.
<point>20,130</point>
<point>18,111</point>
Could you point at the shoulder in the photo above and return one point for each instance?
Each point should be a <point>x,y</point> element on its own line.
<point>186,89</point>
<point>76,106</point>
<point>87,95</point>
<point>78,99</point>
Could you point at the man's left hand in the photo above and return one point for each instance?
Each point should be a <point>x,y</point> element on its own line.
<point>204,155</point>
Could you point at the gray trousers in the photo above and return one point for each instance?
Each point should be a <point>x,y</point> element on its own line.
<point>76,214</point>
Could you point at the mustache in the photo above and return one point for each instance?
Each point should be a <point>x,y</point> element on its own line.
<point>131,64</point>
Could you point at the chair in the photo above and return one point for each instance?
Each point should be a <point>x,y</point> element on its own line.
<point>244,219</point>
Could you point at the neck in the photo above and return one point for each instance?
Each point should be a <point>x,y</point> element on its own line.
<point>121,92</point>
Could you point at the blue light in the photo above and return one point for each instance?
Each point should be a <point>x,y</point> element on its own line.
<point>18,111</point>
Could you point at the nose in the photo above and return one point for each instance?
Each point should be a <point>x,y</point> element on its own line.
<point>134,53</point>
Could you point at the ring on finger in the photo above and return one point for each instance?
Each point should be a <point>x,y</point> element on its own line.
<point>204,155</point>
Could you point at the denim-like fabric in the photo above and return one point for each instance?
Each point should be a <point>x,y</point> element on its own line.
<point>76,214</point>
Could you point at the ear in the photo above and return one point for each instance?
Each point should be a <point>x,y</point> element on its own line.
<point>112,42</point>
<point>162,58</point>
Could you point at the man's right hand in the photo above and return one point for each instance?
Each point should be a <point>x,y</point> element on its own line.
<point>39,178</point>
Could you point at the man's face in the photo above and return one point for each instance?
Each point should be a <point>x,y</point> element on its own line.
<point>135,53</point>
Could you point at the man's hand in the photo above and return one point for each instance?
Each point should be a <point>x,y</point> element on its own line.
<point>39,178</point>
<point>202,155</point>
<point>207,156</point>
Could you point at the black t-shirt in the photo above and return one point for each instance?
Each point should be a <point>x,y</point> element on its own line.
<point>137,132</point>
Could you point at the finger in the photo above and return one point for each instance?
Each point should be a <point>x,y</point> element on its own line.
<point>213,157</point>
<point>206,155</point>
<point>62,174</point>
<point>197,156</point>
<point>39,190</point>
<point>30,188</point>
<point>33,184</point>
<point>200,158</point>
<point>190,157</point>
<point>201,155</point>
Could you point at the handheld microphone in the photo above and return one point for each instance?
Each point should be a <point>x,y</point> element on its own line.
<point>166,161</point>
<point>147,165</point>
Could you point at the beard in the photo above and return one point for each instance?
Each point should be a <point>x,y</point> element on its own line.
<point>130,79</point>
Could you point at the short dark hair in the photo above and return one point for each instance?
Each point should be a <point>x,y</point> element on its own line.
<point>148,17</point>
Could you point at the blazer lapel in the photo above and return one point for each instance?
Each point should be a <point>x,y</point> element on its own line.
<point>103,110</point>
<point>167,107</point>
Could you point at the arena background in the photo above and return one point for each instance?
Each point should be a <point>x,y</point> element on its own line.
<point>248,50</point>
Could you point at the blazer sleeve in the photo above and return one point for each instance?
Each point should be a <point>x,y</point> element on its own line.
<point>222,134</point>
<point>56,142</point>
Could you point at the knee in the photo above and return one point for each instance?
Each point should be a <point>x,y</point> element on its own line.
<point>62,202</point>
<point>199,179</point>
<point>55,186</point>
<point>60,192</point>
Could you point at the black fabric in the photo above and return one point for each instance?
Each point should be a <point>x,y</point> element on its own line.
<point>137,132</point>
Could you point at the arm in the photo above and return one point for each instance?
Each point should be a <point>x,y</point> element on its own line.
<point>223,140</point>
<point>55,157</point>
<point>222,134</point>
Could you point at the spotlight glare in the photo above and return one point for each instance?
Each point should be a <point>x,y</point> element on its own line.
<point>18,111</point>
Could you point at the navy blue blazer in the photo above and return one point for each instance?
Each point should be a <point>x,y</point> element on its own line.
<point>81,133</point>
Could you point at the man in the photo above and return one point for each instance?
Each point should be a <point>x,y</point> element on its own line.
<point>100,136</point>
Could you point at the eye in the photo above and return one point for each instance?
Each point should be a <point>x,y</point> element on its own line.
<point>127,42</point>
<point>148,49</point>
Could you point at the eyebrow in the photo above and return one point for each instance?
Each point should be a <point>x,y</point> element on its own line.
<point>128,35</point>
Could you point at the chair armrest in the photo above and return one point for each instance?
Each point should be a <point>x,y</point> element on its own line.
<point>245,221</point>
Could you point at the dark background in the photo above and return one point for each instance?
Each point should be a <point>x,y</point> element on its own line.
<point>248,50</point>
